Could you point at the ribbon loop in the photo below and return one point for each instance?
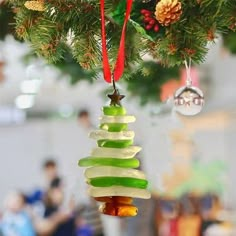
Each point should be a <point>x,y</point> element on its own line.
<point>120,61</point>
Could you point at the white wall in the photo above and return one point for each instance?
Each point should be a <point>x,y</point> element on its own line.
<point>24,147</point>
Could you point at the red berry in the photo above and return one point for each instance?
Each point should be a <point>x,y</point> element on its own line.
<point>147,14</point>
<point>143,11</point>
<point>152,22</point>
<point>156,28</point>
<point>147,19</point>
<point>148,27</point>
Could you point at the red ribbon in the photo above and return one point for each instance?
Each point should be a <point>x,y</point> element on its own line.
<point>120,61</point>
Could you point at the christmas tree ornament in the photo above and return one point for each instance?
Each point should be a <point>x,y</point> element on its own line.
<point>188,100</point>
<point>168,11</point>
<point>111,174</point>
<point>35,5</point>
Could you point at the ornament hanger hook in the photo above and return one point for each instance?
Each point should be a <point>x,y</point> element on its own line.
<point>113,83</point>
<point>188,71</point>
<point>115,97</point>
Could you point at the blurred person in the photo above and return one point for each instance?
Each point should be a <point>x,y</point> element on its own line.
<point>189,222</point>
<point>54,197</point>
<point>84,119</point>
<point>16,221</point>
<point>168,217</point>
<point>144,222</point>
<point>89,212</point>
<point>50,169</point>
<point>209,207</point>
<point>36,198</point>
<point>62,218</point>
<point>82,226</point>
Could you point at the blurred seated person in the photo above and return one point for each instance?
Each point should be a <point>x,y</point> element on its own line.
<point>54,197</point>
<point>90,216</point>
<point>189,222</point>
<point>16,220</point>
<point>62,218</point>
<point>144,222</point>
<point>82,226</point>
<point>167,217</point>
<point>50,171</point>
<point>209,208</point>
<point>35,199</point>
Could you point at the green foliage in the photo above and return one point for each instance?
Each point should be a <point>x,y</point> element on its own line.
<point>69,66</point>
<point>230,38</point>
<point>230,42</point>
<point>77,24</point>
<point>68,35</point>
<point>6,21</point>
<point>146,80</point>
<point>190,36</point>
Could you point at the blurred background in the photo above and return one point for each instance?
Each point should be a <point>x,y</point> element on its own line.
<point>46,113</point>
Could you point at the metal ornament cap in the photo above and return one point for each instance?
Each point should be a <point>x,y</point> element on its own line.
<point>188,100</point>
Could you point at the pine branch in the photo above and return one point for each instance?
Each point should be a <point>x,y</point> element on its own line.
<point>77,24</point>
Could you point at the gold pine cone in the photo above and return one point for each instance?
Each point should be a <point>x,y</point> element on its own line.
<point>168,11</point>
<point>35,5</point>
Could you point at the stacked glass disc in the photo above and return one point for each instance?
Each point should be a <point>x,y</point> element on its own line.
<point>111,176</point>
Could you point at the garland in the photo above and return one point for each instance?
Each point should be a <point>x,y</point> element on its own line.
<point>169,30</point>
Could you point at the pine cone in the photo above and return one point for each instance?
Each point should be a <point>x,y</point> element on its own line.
<point>35,5</point>
<point>168,11</point>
